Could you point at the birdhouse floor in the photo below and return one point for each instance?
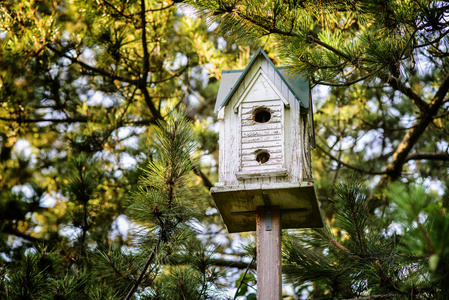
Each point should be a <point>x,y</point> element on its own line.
<point>298,205</point>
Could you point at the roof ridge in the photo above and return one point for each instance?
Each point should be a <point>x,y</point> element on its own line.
<point>295,85</point>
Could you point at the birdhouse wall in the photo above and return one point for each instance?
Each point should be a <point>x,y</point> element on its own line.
<point>257,137</point>
<point>285,136</point>
<point>262,116</point>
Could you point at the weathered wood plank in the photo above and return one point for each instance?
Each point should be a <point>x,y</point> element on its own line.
<point>262,168</point>
<point>291,97</point>
<point>269,163</point>
<point>272,150</point>
<point>230,146</point>
<point>252,97</point>
<point>270,73</point>
<point>259,88</point>
<point>251,122</point>
<point>264,65</point>
<point>264,145</point>
<point>258,173</point>
<point>262,127</point>
<point>293,142</point>
<point>261,102</point>
<point>273,109</point>
<point>278,84</point>
<point>261,133</point>
<point>264,138</point>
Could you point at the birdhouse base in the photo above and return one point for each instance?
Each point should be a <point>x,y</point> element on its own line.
<point>297,202</point>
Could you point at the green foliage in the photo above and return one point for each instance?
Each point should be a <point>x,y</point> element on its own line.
<point>352,214</point>
<point>194,278</point>
<point>29,281</point>
<point>425,225</point>
<point>42,275</point>
<point>163,187</point>
<point>81,84</point>
<point>170,261</point>
<point>386,65</point>
<point>86,84</point>
<point>358,256</point>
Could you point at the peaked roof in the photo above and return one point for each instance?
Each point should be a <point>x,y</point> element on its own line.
<point>231,80</point>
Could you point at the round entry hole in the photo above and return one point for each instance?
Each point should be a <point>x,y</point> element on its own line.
<point>262,115</point>
<point>262,156</point>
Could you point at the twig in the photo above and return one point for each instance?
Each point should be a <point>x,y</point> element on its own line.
<point>335,243</point>
<point>244,275</point>
<point>364,171</point>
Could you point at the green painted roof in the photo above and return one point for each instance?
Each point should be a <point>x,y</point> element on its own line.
<point>231,80</point>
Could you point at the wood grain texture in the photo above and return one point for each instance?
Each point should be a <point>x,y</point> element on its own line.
<point>269,267</point>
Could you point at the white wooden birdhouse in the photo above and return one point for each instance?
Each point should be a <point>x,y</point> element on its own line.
<point>266,134</point>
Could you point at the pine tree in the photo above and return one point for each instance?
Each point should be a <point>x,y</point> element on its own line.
<point>360,255</point>
<point>166,261</point>
<point>81,82</point>
<point>167,205</point>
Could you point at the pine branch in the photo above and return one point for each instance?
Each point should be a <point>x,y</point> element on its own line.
<point>146,55</point>
<point>218,262</point>
<point>232,264</point>
<point>443,156</point>
<point>430,43</point>
<point>142,273</point>
<point>119,13</point>
<point>270,27</point>
<point>142,122</point>
<point>38,120</point>
<point>423,230</point>
<point>348,83</point>
<point>394,169</point>
<point>335,243</point>
<point>396,84</point>
<point>355,216</point>
<point>172,76</point>
<point>206,181</point>
<point>329,47</point>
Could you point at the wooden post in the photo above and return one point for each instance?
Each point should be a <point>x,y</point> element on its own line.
<point>269,267</point>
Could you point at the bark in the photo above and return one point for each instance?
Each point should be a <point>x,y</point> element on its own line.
<point>442,156</point>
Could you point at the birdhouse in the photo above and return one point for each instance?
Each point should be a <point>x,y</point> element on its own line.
<point>266,135</point>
